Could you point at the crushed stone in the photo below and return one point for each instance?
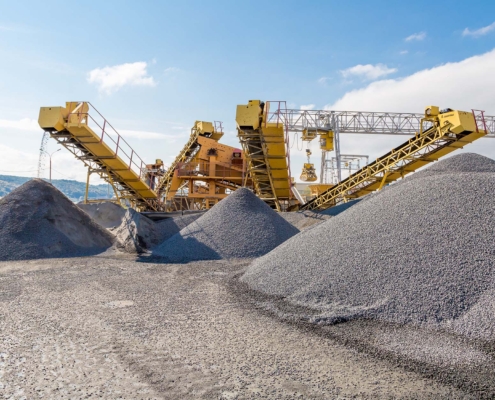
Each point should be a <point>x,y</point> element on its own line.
<point>138,233</point>
<point>106,214</point>
<point>303,219</point>
<point>240,226</point>
<point>420,252</point>
<point>39,221</point>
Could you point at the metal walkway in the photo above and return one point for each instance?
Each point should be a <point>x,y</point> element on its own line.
<point>105,153</point>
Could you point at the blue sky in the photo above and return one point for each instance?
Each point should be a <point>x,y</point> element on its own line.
<point>199,59</point>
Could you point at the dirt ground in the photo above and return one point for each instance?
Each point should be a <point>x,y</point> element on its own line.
<point>116,328</point>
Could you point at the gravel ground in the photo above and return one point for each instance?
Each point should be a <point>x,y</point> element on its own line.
<point>420,252</point>
<point>114,328</point>
<point>240,226</point>
<point>107,214</point>
<point>39,221</point>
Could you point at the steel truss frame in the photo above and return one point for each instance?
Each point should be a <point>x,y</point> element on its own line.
<point>423,148</point>
<point>122,192</point>
<point>253,144</point>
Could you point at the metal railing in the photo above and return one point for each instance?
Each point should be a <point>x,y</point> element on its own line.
<point>110,137</point>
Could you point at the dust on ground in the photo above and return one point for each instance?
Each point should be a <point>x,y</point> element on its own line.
<point>114,327</point>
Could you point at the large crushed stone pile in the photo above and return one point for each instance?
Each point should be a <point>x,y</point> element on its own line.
<point>39,221</point>
<point>106,214</point>
<point>240,226</point>
<point>419,252</point>
<point>303,219</point>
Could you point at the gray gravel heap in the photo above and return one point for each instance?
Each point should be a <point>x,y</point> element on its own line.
<point>240,226</point>
<point>106,214</point>
<point>419,252</point>
<point>170,226</point>
<point>39,221</point>
<point>136,233</point>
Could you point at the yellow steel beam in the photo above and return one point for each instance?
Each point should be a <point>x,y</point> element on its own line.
<point>449,132</point>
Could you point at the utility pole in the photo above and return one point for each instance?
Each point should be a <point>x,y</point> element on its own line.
<point>50,155</point>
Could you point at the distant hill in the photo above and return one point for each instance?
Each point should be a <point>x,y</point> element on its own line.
<point>74,190</point>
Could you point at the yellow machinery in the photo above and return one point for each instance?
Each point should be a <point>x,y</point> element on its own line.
<point>308,172</point>
<point>265,149</point>
<point>203,172</point>
<point>92,139</point>
<point>441,132</point>
<point>326,144</point>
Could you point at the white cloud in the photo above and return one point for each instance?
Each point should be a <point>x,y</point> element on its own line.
<point>308,107</point>
<point>171,70</point>
<point>323,80</point>
<point>25,124</point>
<point>111,79</point>
<point>461,85</point>
<point>403,52</point>
<point>368,71</point>
<point>416,36</point>
<point>479,32</point>
<point>16,162</point>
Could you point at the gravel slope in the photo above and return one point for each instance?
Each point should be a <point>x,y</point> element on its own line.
<point>107,214</point>
<point>239,226</point>
<point>303,219</point>
<point>38,221</point>
<point>419,252</point>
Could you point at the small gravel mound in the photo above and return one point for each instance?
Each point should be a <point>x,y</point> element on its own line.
<point>39,221</point>
<point>303,219</point>
<point>419,252</point>
<point>106,214</point>
<point>240,226</point>
<point>137,233</point>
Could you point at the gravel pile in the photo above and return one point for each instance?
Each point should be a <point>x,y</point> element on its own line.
<point>303,219</point>
<point>419,252</point>
<point>333,211</point>
<point>107,214</point>
<point>137,233</point>
<point>240,226</point>
<point>38,221</point>
<point>170,226</point>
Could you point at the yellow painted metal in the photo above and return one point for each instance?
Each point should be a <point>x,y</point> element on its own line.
<point>308,135</point>
<point>308,173</point>
<point>326,141</point>
<point>264,147</point>
<point>319,188</point>
<point>249,115</point>
<point>203,171</point>
<point>52,118</point>
<point>71,124</point>
<point>447,132</point>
